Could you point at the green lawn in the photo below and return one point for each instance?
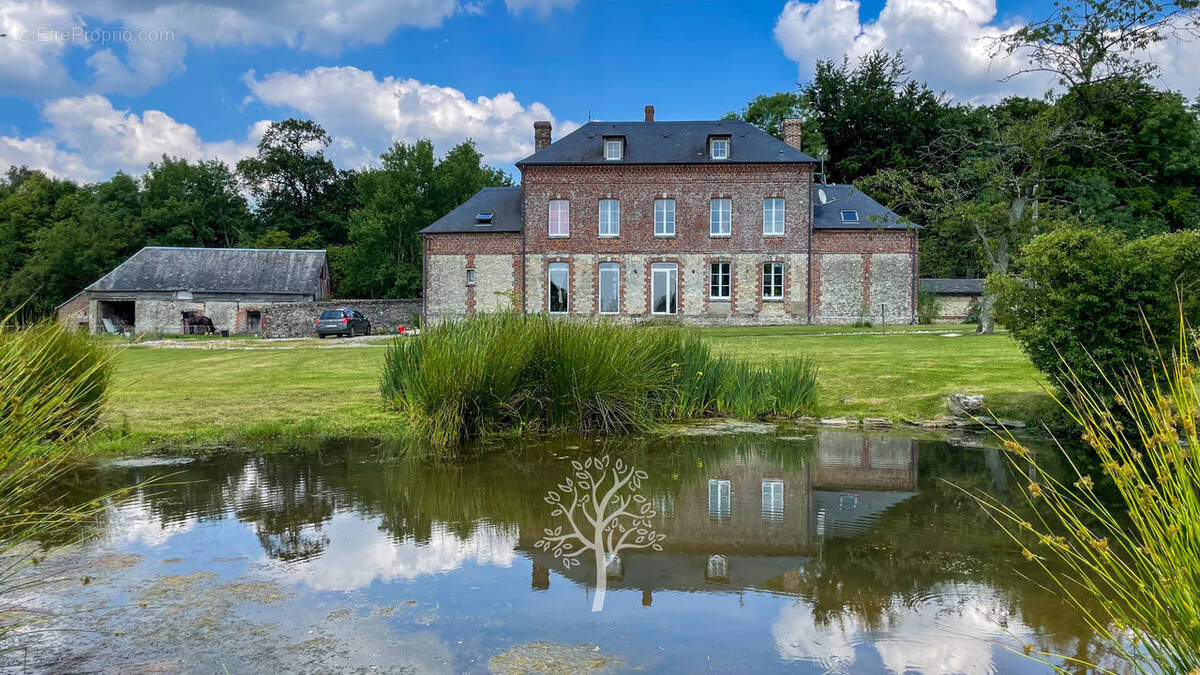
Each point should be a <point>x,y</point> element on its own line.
<point>298,387</point>
<point>902,374</point>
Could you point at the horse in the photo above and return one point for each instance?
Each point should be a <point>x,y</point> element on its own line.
<point>196,322</point>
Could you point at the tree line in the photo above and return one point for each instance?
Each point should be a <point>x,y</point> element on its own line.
<point>57,236</point>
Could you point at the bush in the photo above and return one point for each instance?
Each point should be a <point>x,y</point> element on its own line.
<point>511,373</point>
<point>1128,569</point>
<point>1090,299</point>
<point>929,307</point>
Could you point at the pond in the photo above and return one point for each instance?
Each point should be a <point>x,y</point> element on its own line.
<point>782,549</point>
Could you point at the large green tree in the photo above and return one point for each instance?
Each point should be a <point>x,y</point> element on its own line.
<point>409,191</point>
<point>300,192</point>
<point>185,204</point>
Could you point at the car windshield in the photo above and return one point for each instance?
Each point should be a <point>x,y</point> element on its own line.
<point>331,314</point>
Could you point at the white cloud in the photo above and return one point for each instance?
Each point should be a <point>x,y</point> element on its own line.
<point>542,8</point>
<point>30,58</point>
<point>948,43</point>
<point>365,114</point>
<point>156,36</point>
<point>88,139</point>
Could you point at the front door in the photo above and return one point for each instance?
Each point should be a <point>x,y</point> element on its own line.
<point>664,288</point>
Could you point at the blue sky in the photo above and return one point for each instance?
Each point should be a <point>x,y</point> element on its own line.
<point>373,72</point>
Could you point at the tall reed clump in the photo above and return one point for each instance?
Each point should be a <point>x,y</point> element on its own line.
<point>1131,569</point>
<point>512,373</point>
<point>52,386</point>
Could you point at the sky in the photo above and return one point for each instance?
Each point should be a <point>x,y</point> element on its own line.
<point>89,87</point>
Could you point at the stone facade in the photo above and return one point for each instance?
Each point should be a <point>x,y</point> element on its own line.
<point>956,308</point>
<point>495,259</point>
<point>297,319</point>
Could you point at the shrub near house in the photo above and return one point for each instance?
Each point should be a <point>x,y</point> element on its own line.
<point>1081,295</point>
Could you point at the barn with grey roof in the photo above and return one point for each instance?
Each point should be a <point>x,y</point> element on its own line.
<point>164,289</point>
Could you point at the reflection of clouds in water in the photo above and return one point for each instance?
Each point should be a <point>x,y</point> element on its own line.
<point>134,522</point>
<point>937,636</point>
<point>359,553</point>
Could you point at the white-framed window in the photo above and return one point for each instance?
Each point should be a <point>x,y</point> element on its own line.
<point>558,288</point>
<point>610,288</point>
<point>772,282</point>
<point>610,217</point>
<point>560,218</point>
<point>664,217</point>
<point>849,216</point>
<point>720,217</point>
<point>772,499</point>
<point>664,288</point>
<point>720,281</point>
<point>773,216</point>
<point>719,493</point>
<point>613,148</point>
<point>470,276</point>
<point>719,148</point>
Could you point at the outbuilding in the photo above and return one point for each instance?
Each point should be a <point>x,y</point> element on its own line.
<point>957,297</point>
<point>183,290</point>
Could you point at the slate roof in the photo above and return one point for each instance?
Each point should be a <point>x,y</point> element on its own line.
<point>217,270</point>
<point>871,214</point>
<point>953,286</point>
<point>667,143</point>
<point>504,202</point>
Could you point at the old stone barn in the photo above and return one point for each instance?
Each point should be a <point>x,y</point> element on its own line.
<point>696,222</point>
<point>168,290</point>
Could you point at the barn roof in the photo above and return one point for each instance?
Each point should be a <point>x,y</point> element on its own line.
<point>953,286</point>
<point>218,270</point>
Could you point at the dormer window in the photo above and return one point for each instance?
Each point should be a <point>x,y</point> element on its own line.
<point>484,217</point>
<point>718,148</point>
<point>614,148</point>
<point>849,216</point>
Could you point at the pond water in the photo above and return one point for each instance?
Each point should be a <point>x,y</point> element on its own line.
<point>818,551</point>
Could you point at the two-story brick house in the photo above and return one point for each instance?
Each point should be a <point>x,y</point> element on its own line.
<point>699,222</point>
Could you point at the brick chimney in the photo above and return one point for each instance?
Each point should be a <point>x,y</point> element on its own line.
<point>541,135</point>
<point>649,113</point>
<point>791,133</point>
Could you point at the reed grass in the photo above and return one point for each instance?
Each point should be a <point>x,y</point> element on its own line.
<point>512,373</point>
<point>52,386</point>
<point>1129,567</point>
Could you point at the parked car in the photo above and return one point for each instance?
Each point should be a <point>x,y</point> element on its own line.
<point>348,321</point>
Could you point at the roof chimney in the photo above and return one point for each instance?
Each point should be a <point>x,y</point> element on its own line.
<point>649,113</point>
<point>541,135</point>
<point>791,132</point>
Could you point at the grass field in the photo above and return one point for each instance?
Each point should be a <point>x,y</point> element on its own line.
<point>183,396</point>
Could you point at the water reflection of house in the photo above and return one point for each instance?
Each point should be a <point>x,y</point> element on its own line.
<point>754,524</point>
<point>855,478</point>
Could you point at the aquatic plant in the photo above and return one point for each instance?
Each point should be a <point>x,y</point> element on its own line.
<point>512,373</point>
<point>1129,567</point>
<point>52,386</point>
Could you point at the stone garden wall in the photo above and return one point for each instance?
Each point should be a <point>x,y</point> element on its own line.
<point>297,319</point>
